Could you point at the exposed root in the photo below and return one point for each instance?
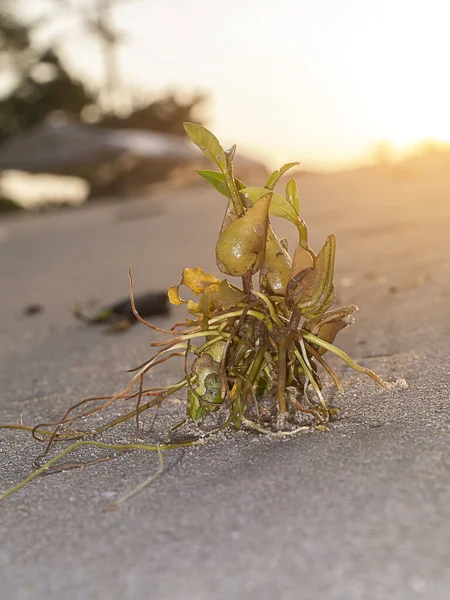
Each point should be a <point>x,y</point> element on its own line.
<point>242,370</point>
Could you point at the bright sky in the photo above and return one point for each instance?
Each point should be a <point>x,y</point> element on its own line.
<point>318,81</point>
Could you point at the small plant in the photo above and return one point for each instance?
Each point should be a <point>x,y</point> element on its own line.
<point>252,353</point>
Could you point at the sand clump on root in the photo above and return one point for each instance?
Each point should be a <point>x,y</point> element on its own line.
<point>250,354</point>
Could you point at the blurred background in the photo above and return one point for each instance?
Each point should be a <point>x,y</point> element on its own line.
<point>96,174</point>
<point>93,93</point>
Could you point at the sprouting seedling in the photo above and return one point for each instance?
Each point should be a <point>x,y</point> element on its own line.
<point>251,354</point>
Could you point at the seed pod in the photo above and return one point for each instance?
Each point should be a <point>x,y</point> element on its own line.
<point>242,240</point>
<point>206,394</point>
<point>303,259</point>
<point>310,287</point>
<point>276,269</point>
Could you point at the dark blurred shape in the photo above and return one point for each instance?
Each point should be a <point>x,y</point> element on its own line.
<point>34,100</point>
<point>112,161</point>
<point>148,304</point>
<point>7,205</point>
<point>166,115</point>
<point>41,84</point>
<point>33,309</point>
<point>14,35</point>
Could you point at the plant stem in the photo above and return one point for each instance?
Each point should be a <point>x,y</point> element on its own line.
<point>155,402</point>
<point>234,194</point>
<point>295,319</point>
<point>282,366</point>
<point>343,355</point>
<point>303,233</point>
<point>247,283</point>
<point>309,374</point>
<point>236,407</point>
<point>331,372</point>
<point>74,446</point>
<point>270,306</point>
<point>258,364</point>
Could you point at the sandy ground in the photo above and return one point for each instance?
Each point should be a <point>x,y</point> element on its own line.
<point>359,512</point>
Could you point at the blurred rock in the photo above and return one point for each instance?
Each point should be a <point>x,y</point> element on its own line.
<point>114,162</point>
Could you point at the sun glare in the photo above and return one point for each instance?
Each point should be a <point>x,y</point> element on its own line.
<point>317,81</point>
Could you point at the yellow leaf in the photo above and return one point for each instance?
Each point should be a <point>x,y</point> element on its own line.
<point>192,307</point>
<point>196,280</point>
<point>174,296</point>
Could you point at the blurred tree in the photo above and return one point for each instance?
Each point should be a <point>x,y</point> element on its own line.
<point>14,36</point>
<point>40,84</point>
<point>166,115</point>
<point>43,89</point>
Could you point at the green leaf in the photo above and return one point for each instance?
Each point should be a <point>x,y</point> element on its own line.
<point>239,185</point>
<point>292,195</point>
<point>276,175</point>
<point>279,206</point>
<point>208,144</point>
<point>217,180</point>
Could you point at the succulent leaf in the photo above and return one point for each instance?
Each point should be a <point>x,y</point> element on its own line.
<point>310,288</point>
<point>276,175</point>
<point>276,269</point>
<point>292,195</point>
<point>242,240</point>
